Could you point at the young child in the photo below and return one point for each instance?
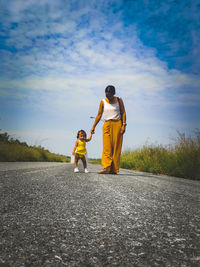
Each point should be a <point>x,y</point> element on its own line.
<point>80,150</point>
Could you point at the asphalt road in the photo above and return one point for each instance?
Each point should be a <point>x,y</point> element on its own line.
<point>51,216</point>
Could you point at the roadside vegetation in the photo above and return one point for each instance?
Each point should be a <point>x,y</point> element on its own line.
<point>182,159</point>
<point>14,150</point>
<point>95,161</point>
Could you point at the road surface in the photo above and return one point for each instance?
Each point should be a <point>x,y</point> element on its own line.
<point>51,216</point>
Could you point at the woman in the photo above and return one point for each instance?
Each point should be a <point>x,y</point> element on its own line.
<point>113,111</point>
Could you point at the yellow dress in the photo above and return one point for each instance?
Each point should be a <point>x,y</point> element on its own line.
<point>81,148</point>
<point>112,145</point>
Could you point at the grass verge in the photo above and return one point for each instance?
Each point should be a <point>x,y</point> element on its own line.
<point>14,150</point>
<point>181,159</point>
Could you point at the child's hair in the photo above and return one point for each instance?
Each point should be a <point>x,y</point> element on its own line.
<point>82,132</point>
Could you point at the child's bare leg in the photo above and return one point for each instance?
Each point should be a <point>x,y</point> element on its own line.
<point>76,160</point>
<point>84,162</point>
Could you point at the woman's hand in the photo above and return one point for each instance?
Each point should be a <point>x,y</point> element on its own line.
<point>92,131</point>
<point>123,129</point>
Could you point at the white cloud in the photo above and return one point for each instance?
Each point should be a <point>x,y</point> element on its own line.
<point>67,71</point>
<point>85,62</point>
<point>128,79</point>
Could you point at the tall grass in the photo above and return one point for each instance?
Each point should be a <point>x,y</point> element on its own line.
<point>181,159</point>
<point>14,150</point>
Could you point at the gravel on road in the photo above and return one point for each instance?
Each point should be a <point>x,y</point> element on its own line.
<point>51,216</point>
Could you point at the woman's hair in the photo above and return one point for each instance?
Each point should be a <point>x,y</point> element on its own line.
<point>82,132</point>
<point>110,89</point>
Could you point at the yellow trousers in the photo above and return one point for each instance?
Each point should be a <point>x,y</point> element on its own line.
<point>112,145</point>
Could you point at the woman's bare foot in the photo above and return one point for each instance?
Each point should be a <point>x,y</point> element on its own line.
<point>104,171</point>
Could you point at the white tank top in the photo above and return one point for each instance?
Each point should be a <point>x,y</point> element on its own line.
<point>111,111</point>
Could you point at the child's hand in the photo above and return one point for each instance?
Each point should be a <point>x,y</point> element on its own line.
<point>73,153</point>
<point>90,137</point>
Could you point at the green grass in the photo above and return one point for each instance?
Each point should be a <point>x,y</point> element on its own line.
<point>14,150</point>
<point>181,159</point>
<point>94,161</point>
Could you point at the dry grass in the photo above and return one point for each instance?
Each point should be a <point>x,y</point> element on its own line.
<point>181,159</point>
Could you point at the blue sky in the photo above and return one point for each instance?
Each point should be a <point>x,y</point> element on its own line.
<point>57,57</point>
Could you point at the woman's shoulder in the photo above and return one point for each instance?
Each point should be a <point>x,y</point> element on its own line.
<point>102,102</point>
<point>119,99</point>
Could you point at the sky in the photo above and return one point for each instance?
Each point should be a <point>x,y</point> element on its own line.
<point>57,57</point>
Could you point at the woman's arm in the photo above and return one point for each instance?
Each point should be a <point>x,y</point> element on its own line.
<point>123,116</point>
<point>98,117</point>
<point>75,147</point>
